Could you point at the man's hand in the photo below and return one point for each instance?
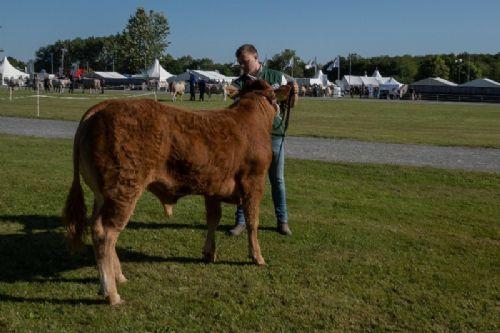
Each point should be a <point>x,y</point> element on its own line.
<point>232,90</point>
<point>295,91</point>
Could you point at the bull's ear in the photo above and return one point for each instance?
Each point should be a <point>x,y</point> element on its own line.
<point>282,93</point>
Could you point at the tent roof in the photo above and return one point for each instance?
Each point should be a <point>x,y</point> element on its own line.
<point>199,74</point>
<point>485,83</point>
<point>353,80</point>
<point>8,71</point>
<point>106,75</point>
<point>156,71</point>
<point>370,80</point>
<point>434,81</point>
<point>376,74</point>
<point>392,81</point>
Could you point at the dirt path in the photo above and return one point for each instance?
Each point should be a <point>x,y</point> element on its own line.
<point>477,159</point>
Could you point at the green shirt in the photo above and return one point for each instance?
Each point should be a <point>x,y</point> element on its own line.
<point>275,79</point>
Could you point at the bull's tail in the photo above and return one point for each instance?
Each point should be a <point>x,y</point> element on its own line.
<point>75,211</point>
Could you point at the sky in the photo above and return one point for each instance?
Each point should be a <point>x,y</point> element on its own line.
<point>215,29</point>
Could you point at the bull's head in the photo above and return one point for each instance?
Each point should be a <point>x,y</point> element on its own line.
<point>261,87</point>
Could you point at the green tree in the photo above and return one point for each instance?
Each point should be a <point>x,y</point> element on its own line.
<point>143,40</point>
<point>406,69</point>
<point>433,66</point>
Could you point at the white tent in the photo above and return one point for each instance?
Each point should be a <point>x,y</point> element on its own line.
<point>156,71</point>
<point>391,84</point>
<point>106,75</point>
<point>212,76</point>
<point>7,72</point>
<point>376,80</point>
<point>321,79</point>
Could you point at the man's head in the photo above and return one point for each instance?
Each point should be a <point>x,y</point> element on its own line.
<point>248,58</point>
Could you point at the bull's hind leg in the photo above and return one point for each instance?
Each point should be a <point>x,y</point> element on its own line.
<point>251,209</point>
<point>214,213</point>
<point>106,228</point>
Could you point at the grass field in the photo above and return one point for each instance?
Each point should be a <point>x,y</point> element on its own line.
<point>375,248</point>
<point>449,124</point>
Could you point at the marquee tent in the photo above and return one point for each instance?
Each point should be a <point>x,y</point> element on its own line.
<point>211,76</point>
<point>482,83</point>
<point>373,81</point>
<point>7,72</point>
<point>321,79</point>
<point>391,84</point>
<point>106,75</point>
<point>434,81</point>
<point>156,71</point>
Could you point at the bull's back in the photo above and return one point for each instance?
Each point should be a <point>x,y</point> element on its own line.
<point>136,142</point>
<point>120,142</point>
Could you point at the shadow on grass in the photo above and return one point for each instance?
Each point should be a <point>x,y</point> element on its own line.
<point>16,299</point>
<point>40,252</point>
<point>134,225</point>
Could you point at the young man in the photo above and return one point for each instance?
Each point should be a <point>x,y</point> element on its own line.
<point>252,69</point>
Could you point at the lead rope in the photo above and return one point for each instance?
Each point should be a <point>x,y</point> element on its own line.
<point>288,107</point>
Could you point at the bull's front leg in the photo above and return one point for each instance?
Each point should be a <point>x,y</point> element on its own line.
<point>213,215</point>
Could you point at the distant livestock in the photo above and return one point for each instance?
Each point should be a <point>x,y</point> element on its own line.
<point>177,89</point>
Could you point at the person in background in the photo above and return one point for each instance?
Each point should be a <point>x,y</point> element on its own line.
<point>248,59</point>
<point>202,84</point>
<point>192,87</point>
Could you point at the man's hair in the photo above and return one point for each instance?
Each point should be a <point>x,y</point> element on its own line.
<point>246,49</point>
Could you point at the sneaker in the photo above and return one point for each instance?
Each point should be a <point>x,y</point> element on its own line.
<point>237,230</point>
<point>284,229</point>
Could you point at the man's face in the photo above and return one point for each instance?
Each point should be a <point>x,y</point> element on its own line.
<point>249,63</point>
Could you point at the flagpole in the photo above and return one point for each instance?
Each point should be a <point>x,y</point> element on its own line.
<point>338,69</point>
<point>349,71</point>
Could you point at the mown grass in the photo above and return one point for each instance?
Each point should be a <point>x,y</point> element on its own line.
<point>375,248</point>
<point>448,124</point>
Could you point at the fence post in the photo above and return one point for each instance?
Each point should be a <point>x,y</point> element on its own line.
<point>37,100</point>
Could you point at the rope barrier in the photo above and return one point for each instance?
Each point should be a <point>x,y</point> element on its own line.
<point>75,97</point>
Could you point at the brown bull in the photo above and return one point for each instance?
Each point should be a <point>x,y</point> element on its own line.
<point>122,148</point>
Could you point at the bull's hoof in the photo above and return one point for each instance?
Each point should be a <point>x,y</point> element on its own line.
<point>168,210</point>
<point>209,258</point>
<point>259,261</point>
<point>121,279</point>
<point>115,300</point>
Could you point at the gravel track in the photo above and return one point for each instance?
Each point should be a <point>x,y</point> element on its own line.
<point>464,158</point>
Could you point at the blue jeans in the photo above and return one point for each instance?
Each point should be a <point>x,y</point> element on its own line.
<point>277,179</point>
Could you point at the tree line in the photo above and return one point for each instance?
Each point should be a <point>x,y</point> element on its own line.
<point>144,39</point>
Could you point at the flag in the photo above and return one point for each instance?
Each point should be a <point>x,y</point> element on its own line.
<point>335,64</point>
<point>290,63</point>
<point>311,63</point>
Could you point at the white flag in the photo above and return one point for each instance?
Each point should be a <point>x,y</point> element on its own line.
<point>311,63</point>
<point>335,64</point>
<point>290,63</point>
